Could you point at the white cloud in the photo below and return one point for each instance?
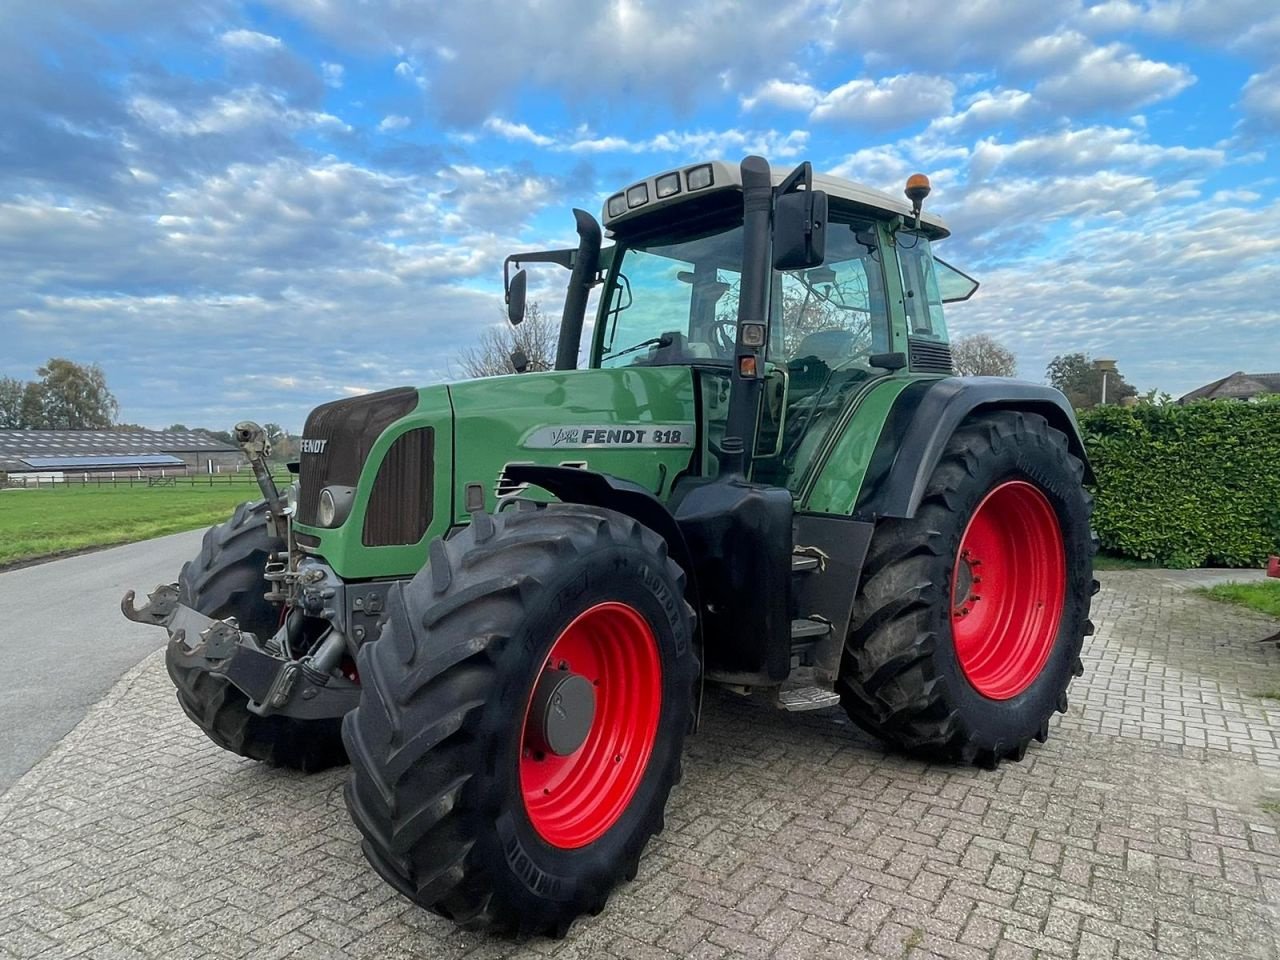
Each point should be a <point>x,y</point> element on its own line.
<point>333,74</point>
<point>393,121</point>
<point>583,51</point>
<point>236,111</point>
<point>1089,148</point>
<point>516,131</point>
<point>1260,102</point>
<point>784,95</point>
<point>249,40</point>
<point>885,168</point>
<point>1230,23</point>
<point>1052,52</point>
<point>986,110</point>
<point>884,103</point>
<point>693,143</point>
<point>933,34</point>
<point>1108,78</point>
<point>408,71</point>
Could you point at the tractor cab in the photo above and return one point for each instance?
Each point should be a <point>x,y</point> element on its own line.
<point>869,305</point>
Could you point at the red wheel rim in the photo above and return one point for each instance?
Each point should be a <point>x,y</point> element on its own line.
<point>573,800</point>
<point>1007,590</point>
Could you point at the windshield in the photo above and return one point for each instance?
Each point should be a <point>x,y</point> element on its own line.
<point>675,301</point>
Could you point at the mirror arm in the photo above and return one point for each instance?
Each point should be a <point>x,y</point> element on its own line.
<point>802,174</point>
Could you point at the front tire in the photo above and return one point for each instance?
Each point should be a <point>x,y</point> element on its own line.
<point>225,580</point>
<point>970,618</point>
<point>476,799</point>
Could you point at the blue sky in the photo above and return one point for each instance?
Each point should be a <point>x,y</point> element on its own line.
<point>248,209</point>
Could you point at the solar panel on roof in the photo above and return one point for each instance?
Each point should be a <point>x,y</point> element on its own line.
<point>135,460</point>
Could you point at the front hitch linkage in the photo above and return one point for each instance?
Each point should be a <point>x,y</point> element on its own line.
<point>272,682</point>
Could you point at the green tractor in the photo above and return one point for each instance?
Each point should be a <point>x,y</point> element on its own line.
<point>501,599</point>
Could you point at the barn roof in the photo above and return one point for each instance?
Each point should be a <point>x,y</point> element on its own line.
<point>70,448</point>
<point>1236,386</point>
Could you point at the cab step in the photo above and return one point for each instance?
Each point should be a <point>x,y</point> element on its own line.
<point>795,699</point>
<point>804,562</point>
<point>807,631</point>
<point>805,637</point>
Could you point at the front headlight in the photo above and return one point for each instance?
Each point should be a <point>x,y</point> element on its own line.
<point>335,504</point>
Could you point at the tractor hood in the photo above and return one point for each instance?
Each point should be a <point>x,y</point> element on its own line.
<point>638,423</point>
<point>397,463</point>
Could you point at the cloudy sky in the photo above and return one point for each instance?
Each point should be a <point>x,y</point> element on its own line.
<point>246,209</point>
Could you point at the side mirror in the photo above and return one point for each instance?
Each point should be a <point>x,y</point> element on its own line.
<point>799,230</point>
<point>515,297</point>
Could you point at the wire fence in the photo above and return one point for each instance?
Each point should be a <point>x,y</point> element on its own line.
<point>72,481</point>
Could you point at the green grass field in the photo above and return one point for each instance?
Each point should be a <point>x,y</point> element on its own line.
<point>41,523</point>
<point>1263,597</point>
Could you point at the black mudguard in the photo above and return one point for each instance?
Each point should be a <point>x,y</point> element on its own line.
<point>922,421</point>
<point>738,566</point>
<point>573,485</point>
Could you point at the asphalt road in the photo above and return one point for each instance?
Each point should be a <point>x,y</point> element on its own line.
<point>64,643</point>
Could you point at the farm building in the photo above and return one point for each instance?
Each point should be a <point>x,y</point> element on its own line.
<point>1237,386</point>
<point>58,454</point>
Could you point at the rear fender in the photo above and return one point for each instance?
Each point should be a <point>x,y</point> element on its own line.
<point>925,416</point>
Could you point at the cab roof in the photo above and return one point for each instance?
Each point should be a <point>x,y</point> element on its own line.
<point>687,182</point>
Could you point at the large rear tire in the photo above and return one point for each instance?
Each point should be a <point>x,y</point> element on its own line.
<point>522,717</point>
<point>970,617</point>
<point>225,580</point>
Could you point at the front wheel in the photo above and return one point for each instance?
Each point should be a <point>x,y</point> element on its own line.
<point>522,717</point>
<point>225,580</point>
<point>970,618</point>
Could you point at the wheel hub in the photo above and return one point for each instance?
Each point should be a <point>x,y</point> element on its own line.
<point>590,725</point>
<point>1008,590</point>
<point>561,712</point>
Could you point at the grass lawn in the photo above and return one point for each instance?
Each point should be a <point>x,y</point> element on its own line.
<point>1263,597</point>
<point>39,523</point>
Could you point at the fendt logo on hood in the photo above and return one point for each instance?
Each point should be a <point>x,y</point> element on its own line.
<point>312,446</point>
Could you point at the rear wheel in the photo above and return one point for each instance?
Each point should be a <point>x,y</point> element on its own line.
<point>522,717</point>
<point>225,580</point>
<point>970,617</point>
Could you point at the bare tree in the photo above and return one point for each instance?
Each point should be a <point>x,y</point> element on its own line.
<point>536,337</point>
<point>981,356</point>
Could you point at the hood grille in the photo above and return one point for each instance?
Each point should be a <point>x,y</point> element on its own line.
<point>348,428</point>
<point>400,505</point>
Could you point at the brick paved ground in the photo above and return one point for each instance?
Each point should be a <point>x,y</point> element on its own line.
<point>1146,826</point>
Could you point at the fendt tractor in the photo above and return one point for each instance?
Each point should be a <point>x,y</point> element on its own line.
<point>502,599</point>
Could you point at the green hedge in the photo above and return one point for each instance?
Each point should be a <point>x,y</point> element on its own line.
<point>1187,486</point>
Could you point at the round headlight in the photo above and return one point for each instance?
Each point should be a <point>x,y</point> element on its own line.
<point>328,511</point>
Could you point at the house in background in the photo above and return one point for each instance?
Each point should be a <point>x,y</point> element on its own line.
<point>1237,386</point>
<point>57,454</point>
